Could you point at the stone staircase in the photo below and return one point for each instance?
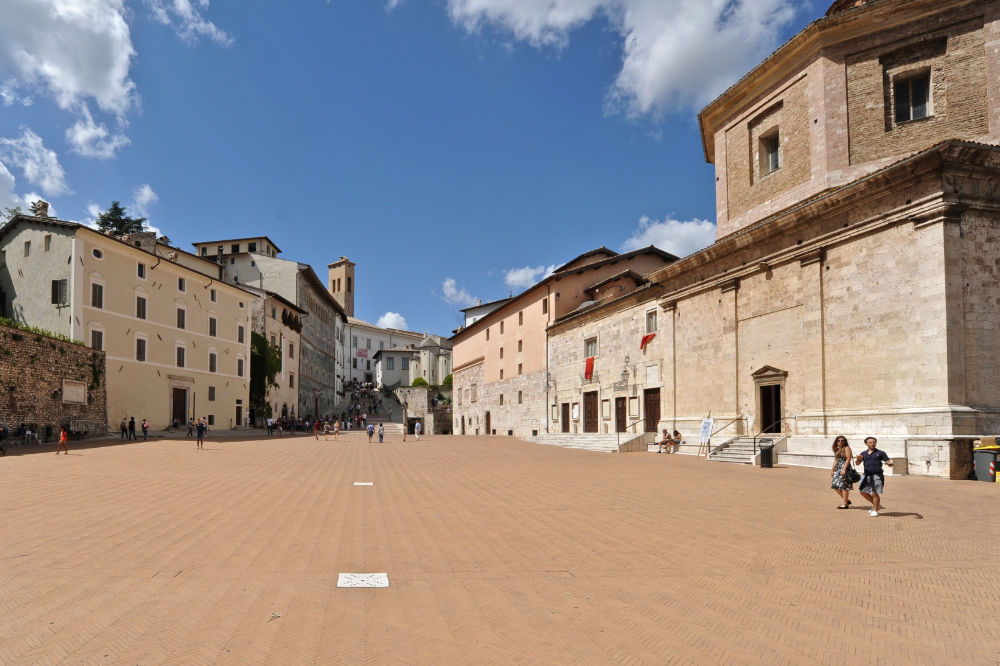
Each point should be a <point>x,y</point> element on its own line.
<point>606,443</point>
<point>741,449</point>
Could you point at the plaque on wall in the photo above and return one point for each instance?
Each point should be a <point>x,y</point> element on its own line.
<point>74,392</point>
<point>633,407</point>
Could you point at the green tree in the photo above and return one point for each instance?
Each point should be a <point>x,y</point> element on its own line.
<point>115,222</point>
<point>265,364</point>
<point>446,382</point>
<point>419,381</point>
<point>8,214</point>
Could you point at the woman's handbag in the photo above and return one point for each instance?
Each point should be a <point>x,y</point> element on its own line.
<point>852,475</point>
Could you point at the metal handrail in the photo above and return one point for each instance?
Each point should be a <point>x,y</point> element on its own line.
<point>779,435</point>
<point>739,418</point>
<point>641,420</point>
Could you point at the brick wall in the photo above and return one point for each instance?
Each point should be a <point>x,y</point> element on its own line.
<point>954,54</point>
<point>32,370</point>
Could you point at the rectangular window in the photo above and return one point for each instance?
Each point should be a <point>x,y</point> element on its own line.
<point>212,327</point>
<point>354,363</point>
<point>60,294</point>
<point>291,380</point>
<point>651,321</point>
<point>501,373</point>
<point>520,318</point>
<point>239,367</point>
<point>211,362</point>
<point>274,312</point>
<point>236,248</point>
<point>520,345</point>
<point>501,352</point>
<point>211,419</point>
<point>770,153</point>
<point>475,393</point>
<point>140,270</point>
<point>545,305</point>
<point>912,97</point>
<point>140,307</point>
<point>140,349</point>
<point>390,363</point>
<point>27,248</point>
<point>519,366</point>
<point>369,345</point>
<point>487,335</point>
<point>354,341</point>
<point>204,251</point>
<point>212,295</point>
<point>211,393</point>
<point>181,317</point>
<point>590,347</point>
<point>501,328</point>
<point>348,284</point>
<point>291,350</point>
<point>48,242</point>
<point>97,339</point>
<point>368,365</point>
<point>180,284</point>
<point>501,398</point>
<point>406,364</point>
<point>520,397</point>
<point>251,247</point>
<point>180,357</point>
<point>239,334</point>
<point>274,342</point>
<point>97,295</point>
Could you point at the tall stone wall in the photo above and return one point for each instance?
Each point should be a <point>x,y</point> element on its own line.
<point>49,382</point>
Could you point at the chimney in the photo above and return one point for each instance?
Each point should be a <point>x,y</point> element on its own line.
<point>41,208</point>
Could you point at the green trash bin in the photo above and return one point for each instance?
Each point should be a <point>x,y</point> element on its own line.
<point>984,459</point>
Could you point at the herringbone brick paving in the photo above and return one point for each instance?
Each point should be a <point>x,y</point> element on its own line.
<point>498,551</point>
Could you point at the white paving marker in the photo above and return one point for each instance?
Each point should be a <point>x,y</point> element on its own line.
<point>363,580</point>
<point>364,483</point>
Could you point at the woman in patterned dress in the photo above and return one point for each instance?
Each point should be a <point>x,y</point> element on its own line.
<point>840,483</point>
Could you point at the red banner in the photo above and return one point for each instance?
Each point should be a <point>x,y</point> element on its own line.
<point>362,353</point>
<point>588,370</point>
<point>645,340</point>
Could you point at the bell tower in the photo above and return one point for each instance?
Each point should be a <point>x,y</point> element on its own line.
<point>340,283</point>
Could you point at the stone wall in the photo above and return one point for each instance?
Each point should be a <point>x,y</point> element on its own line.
<point>49,382</point>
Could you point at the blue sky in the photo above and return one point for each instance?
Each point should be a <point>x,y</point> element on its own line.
<point>454,149</point>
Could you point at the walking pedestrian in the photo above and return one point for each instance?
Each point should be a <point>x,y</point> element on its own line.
<point>336,430</point>
<point>124,428</point>
<point>371,431</point>
<point>873,481</point>
<point>840,479</point>
<point>416,430</point>
<point>381,433</point>
<point>190,426</point>
<point>201,426</point>
<point>316,429</point>
<point>145,430</point>
<point>63,438</point>
<point>270,426</point>
<point>326,431</point>
<point>131,427</point>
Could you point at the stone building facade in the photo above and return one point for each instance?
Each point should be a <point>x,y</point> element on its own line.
<point>853,288</point>
<point>280,322</point>
<point>179,333</point>
<point>50,383</point>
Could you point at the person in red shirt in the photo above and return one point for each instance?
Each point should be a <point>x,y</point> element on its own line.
<point>63,438</point>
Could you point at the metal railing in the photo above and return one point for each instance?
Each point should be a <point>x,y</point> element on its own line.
<point>642,420</point>
<point>767,431</point>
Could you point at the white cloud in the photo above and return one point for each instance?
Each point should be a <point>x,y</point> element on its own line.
<point>392,320</point>
<point>143,197</point>
<point>93,211</point>
<point>522,278</point>
<point>72,51</point>
<point>10,96</point>
<point>676,53</point>
<point>678,238</point>
<point>40,165</point>
<point>454,295</point>
<point>187,20</point>
<point>92,139</point>
<point>9,198</point>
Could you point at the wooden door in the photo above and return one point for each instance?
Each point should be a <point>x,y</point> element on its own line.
<point>590,411</point>
<point>565,417</point>
<point>652,408</point>
<point>180,405</point>
<point>621,419</point>
<point>488,431</point>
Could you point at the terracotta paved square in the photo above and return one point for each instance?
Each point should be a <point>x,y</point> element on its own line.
<point>498,551</point>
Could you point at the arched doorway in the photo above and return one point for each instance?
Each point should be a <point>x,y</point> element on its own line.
<point>488,431</point>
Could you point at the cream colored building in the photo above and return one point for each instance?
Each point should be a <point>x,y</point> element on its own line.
<point>176,337</point>
<point>853,288</point>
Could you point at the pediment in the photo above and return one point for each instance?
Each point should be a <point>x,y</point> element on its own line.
<point>769,372</point>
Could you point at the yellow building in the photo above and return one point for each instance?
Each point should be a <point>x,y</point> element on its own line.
<point>175,336</point>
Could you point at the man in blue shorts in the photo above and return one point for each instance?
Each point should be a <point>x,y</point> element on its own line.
<point>873,480</point>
